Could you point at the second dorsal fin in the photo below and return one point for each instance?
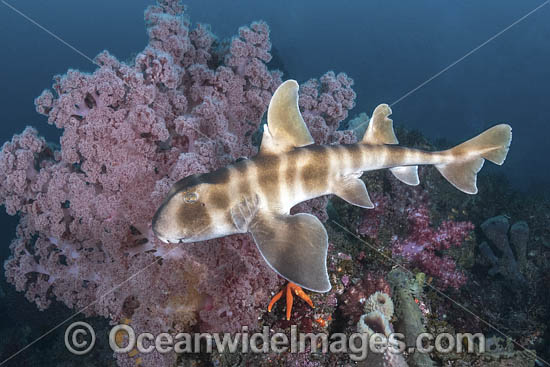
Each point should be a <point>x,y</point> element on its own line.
<point>286,128</point>
<point>380,129</point>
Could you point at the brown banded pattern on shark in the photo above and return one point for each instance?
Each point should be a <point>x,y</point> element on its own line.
<point>256,195</point>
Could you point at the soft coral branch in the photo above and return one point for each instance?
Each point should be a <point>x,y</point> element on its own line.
<point>423,245</point>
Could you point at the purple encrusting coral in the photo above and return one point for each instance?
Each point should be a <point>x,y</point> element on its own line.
<point>187,104</point>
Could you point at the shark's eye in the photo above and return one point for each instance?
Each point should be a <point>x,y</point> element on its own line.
<point>190,197</point>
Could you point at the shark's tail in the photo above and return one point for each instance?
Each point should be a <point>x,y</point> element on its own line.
<point>492,144</point>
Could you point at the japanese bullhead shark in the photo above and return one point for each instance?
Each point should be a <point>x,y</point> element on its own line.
<point>255,195</point>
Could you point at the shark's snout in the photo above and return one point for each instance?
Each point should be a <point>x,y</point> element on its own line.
<point>163,229</point>
<point>166,238</point>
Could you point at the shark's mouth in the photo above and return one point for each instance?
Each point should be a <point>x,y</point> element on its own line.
<point>171,240</point>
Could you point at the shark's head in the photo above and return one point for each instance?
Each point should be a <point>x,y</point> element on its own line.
<point>183,215</point>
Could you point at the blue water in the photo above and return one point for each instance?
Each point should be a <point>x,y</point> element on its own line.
<point>387,47</point>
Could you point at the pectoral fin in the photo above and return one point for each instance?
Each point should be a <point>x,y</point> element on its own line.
<point>295,246</point>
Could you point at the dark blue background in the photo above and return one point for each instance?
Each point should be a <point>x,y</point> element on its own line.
<point>387,47</point>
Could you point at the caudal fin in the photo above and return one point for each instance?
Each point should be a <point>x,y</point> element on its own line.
<point>492,144</point>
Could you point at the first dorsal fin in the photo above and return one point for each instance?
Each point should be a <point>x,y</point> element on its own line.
<point>380,129</point>
<point>285,128</point>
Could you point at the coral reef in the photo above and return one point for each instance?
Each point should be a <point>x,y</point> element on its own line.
<point>422,244</point>
<point>420,248</point>
<point>425,308</point>
<point>373,219</point>
<point>187,104</point>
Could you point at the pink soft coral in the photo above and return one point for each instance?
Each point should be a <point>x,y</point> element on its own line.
<point>422,245</point>
<point>373,219</point>
<point>186,105</point>
<point>420,248</point>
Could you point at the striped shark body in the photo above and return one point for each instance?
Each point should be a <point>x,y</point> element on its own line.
<point>256,195</point>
